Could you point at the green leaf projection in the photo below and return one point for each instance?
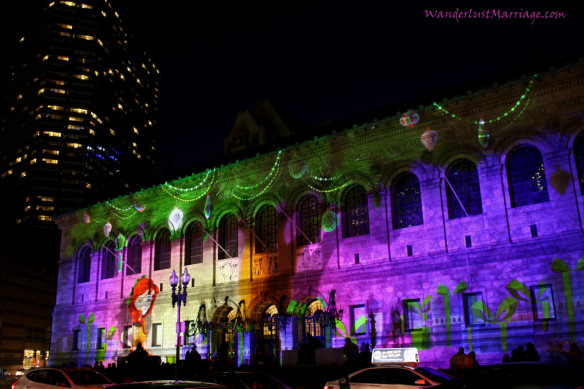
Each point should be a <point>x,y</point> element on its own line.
<point>560,266</point>
<point>505,311</point>
<point>443,291</point>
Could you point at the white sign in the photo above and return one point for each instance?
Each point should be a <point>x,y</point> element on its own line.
<point>394,355</point>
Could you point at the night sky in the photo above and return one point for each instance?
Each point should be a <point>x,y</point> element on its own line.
<point>319,60</point>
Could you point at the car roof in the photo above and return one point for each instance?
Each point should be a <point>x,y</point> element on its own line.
<point>167,384</point>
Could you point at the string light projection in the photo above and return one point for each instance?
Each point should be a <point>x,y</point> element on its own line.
<point>191,191</point>
<point>243,192</point>
<point>484,135</point>
<point>509,111</point>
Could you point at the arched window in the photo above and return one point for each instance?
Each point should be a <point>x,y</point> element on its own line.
<point>194,244</point>
<point>527,181</point>
<point>228,236</point>
<point>266,230</point>
<point>312,321</point>
<point>84,265</point>
<point>162,250</point>
<point>463,187</point>
<point>355,213</point>
<point>108,261</point>
<point>134,255</point>
<point>406,202</point>
<point>579,155</point>
<point>309,222</point>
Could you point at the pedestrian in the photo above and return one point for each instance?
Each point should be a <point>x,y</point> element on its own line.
<point>473,356</point>
<point>460,362</point>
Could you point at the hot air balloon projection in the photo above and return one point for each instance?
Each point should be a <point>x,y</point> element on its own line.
<point>409,119</point>
<point>86,218</point>
<point>139,208</point>
<point>560,180</point>
<point>107,229</point>
<point>429,138</point>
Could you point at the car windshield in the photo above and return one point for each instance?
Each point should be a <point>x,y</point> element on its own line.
<point>87,377</point>
<point>433,374</point>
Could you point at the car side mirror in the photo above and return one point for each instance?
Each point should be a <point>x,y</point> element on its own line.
<point>420,382</point>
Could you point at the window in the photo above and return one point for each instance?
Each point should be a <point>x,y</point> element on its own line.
<point>126,342</point>
<point>76,340</point>
<point>413,317</point>
<point>84,265</point>
<point>101,338</point>
<point>35,334</point>
<point>579,155</point>
<point>542,301</point>
<point>406,202</point>
<point>156,335</point>
<point>162,250</point>
<point>358,320</point>
<point>312,321</point>
<point>134,259</point>
<point>355,212</point>
<point>266,230</point>
<point>194,244</point>
<point>309,222</point>
<point>471,308</point>
<point>228,236</point>
<point>462,186</point>
<point>108,261</point>
<point>527,182</point>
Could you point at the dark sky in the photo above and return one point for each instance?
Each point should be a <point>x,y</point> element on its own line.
<point>321,60</point>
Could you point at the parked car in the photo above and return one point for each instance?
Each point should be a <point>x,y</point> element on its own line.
<point>519,375</point>
<point>167,384</point>
<point>395,376</point>
<point>20,372</point>
<point>245,380</point>
<point>67,377</point>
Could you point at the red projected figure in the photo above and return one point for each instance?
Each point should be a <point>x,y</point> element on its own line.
<point>140,305</point>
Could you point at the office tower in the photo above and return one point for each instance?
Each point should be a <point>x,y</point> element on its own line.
<point>80,119</point>
<point>78,126</point>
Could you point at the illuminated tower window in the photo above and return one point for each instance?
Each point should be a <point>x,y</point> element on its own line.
<point>309,222</point>
<point>356,213</point>
<point>134,255</point>
<point>84,265</point>
<point>228,236</point>
<point>464,179</point>
<point>527,182</point>
<point>162,250</point>
<point>194,244</point>
<point>406,202</point>
<point>266,230</point>
<point>108,261</point>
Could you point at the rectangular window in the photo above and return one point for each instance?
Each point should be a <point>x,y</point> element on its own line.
<point>533,228</point>
<point>413,317</point>
<point>76,340</point>
<point>358,319</point>
<point>126,337</point>
<point>156,335</point>
<point>468,241</point>
<point>101,338</point>
<point>410,250</point>
<point>471,307</point>
<point>542,301</point>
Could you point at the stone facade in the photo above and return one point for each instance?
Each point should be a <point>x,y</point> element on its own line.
<point>508,273</point>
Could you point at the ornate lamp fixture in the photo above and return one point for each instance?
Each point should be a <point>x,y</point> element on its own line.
<point>329,317</point>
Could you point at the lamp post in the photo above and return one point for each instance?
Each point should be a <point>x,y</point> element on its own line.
<point>179,297</point>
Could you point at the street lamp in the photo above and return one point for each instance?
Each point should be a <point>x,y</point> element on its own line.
<point>179,298</point>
